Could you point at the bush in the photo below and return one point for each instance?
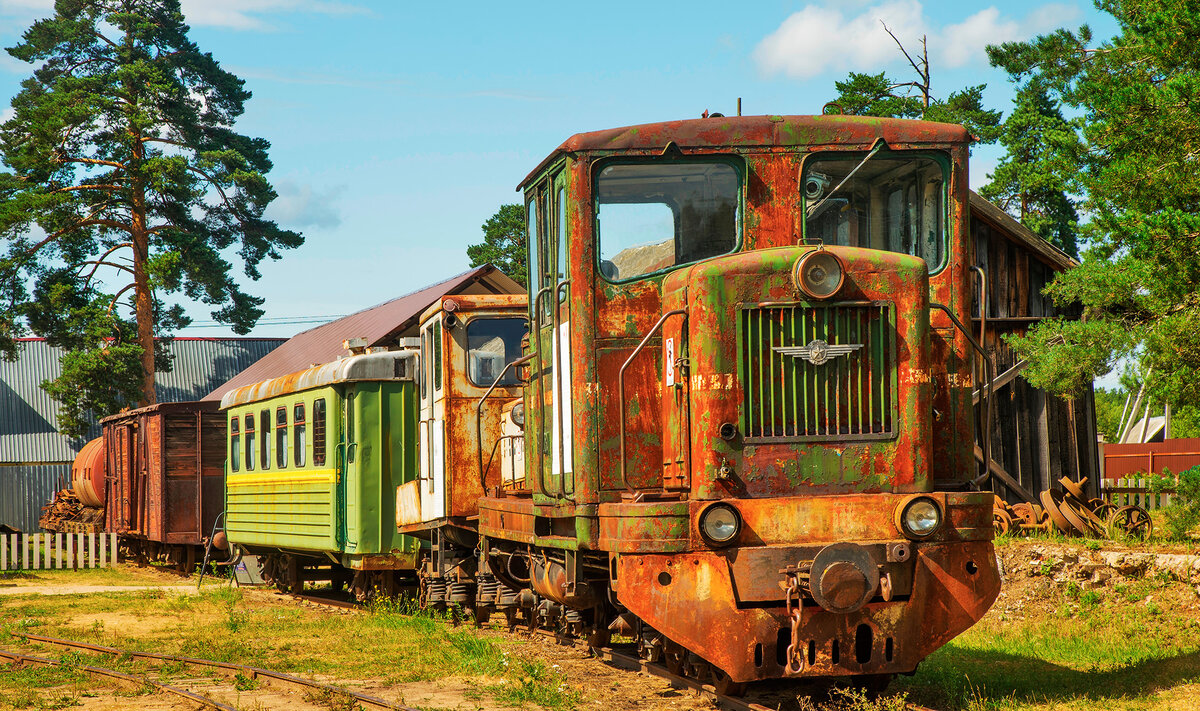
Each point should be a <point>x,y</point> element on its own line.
<point>1183,515</point>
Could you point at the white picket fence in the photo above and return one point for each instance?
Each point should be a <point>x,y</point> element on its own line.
<point>57,551</point>
<point>1133,492</point>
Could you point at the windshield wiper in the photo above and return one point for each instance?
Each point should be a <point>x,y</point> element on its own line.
<point>813,208</point>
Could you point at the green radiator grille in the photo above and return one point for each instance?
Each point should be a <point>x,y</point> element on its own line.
<point>818,372</point>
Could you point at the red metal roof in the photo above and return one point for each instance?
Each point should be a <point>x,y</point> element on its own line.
<point>380,325</point>
<point>747,131</point>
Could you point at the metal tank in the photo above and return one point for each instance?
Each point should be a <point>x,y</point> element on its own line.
<point>88,472</point>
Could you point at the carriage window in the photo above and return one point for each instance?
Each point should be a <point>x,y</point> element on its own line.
<point>299,427</point>
<point>890,203</point>
<point>281,427</point>
<point>235,445</point>
<point>493,343</point>
<point>264,440</point>
<point>250,442</point>
<point>319,432</point>
<point>651,216</point>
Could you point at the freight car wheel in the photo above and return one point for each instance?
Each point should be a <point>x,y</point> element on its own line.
<point>1001,522</point>
<point>725,685</point>
<point>1131,522</point>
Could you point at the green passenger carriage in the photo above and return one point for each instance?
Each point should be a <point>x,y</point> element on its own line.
<point>313,462</point>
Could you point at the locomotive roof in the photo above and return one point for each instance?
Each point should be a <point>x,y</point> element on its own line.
<point>518,303</point>
<point>388,365</point>
<point>750,131</point>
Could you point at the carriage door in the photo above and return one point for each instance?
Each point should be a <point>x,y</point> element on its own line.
<point>348,489</point>
<point>433,423</point>
<point>552,319</point>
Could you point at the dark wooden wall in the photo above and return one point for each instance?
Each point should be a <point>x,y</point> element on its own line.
<point>1036,437</point>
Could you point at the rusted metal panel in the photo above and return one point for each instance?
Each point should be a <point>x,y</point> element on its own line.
<point>166,465</point>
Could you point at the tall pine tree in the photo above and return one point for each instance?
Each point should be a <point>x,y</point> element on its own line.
<point>1139,283</point>
<point>1036,178</point>
<point>124,161</point>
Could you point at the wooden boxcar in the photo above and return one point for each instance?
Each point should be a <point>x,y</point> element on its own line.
<point>314,461</point>
<point>163,490</point>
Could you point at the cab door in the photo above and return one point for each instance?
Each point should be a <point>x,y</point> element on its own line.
<point>432,422</point>
<point>554,463</point>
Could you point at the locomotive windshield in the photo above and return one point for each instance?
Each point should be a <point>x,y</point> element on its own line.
<point>651,216</point>
<point>888,203</point>
<point>493,343</point>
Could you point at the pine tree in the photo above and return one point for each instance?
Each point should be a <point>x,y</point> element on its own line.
<point>878,95</point>
<point>123,160</point>
<point>1038,174</point>
<point>1139,283</point>
<point>504,243</point>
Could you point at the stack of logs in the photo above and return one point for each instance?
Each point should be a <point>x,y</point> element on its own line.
<point>1069,511</point>
<point>66,514</point>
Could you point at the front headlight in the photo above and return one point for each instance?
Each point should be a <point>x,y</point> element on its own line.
<point>720,524</point>
<point>819,274</point>
<point>919,517</point>
<point>518,414</point>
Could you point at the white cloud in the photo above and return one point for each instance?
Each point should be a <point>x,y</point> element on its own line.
<point>26,7</point>
<point>818,39</point>
<point>300,205</point>
<point>6,114</point>
<point>246,14</point>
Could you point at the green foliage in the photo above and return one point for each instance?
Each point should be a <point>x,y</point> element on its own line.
<point>504,243</point>
<point>1139,287</point>
<point>1035,178</point>
<point>1109,406</point>
<point>1183,515</point>
<point>878,95</point>
<point>122,161</point>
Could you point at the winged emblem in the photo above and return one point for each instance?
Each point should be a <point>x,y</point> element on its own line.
<point>817,351</point>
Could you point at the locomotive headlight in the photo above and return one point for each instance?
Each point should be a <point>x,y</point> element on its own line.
<point>919,516</point>
<point>720,524</point>
<point>518,414</point>
<point>819,274</point>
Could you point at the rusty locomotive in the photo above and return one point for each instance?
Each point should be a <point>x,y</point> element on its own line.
<point>738,428</point>
<point>745,436</point>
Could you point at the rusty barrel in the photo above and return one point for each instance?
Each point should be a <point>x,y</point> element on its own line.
<point>87,473</point>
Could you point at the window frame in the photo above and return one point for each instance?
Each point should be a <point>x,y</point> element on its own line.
<point>264,456</point>
<point>299,434</point>
<point>235,445</point>
<point>321,430</point>
<point>735,160</point>
<point>281,437</point>
<point>942,159</point>
<point>467,350</point>
<point>251,441</point>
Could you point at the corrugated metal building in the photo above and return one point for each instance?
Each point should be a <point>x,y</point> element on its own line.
<point>35,460</point>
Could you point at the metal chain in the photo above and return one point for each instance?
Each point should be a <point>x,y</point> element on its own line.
<point>795,659</point>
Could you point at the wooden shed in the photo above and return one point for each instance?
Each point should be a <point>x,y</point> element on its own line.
<point>1036,437</point>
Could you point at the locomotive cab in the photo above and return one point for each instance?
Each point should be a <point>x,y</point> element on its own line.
<point>748,428</point>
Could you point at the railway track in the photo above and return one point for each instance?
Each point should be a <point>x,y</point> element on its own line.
<point>271,677</point>
<point>612,656</point>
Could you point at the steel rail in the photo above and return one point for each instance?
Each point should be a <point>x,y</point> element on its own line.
<point>252,672</point>
<point>120,676</point>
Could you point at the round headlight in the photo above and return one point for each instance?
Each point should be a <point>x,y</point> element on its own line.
<point>518,414</point>
<point>720,523</point>
<point>819,274</point>
<point>920,517</point>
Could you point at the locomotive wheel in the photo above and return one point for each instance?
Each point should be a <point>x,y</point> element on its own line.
<point>1131,522</point>
<point>1103,509</point>
<point>1083,520</point>
<point>1001,522</point>
<point>725,685</point>
<point>1024,512</point>
<point>1051,498</point>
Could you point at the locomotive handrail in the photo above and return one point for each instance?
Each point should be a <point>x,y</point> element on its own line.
<point>621,382</point>
<point>479,416</point>
<point>987,416</point>
<point>541,400</point>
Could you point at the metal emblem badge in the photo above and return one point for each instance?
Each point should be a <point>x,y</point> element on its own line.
<point>817,351</point>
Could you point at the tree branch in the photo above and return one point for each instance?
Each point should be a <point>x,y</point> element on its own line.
<point>92,161</point>
<point>113,303</point>
<point>224,198</point>
<point>902,49</point>
<point>84,187</point>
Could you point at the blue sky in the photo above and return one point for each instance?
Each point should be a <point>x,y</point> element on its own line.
<point>399,127</point>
